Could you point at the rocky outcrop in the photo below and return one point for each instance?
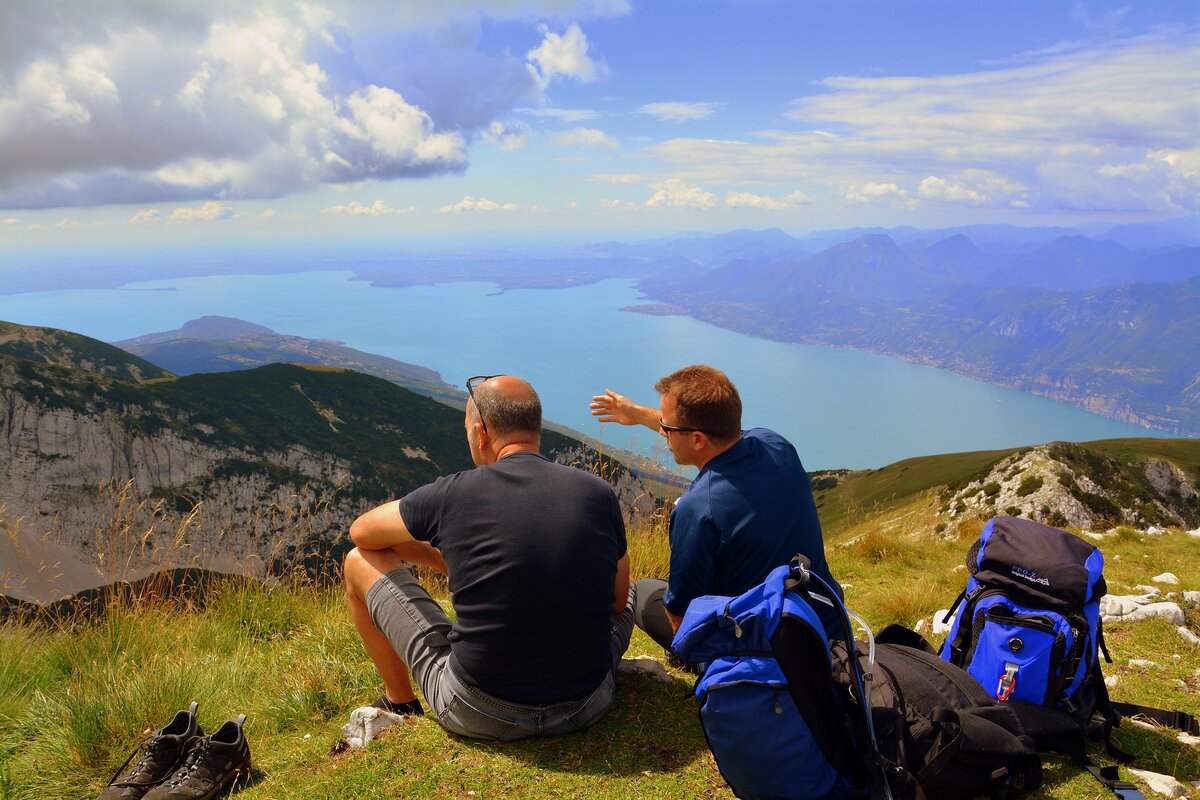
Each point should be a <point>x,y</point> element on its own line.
<point>1064,485</point>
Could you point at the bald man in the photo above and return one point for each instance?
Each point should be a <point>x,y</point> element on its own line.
<point>536,557</point>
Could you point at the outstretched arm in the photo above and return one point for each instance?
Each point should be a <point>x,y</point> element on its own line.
<point>613,407</point>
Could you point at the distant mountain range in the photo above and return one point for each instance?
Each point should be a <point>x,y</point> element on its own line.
<point>111,468</point>
<point>1093,323</point>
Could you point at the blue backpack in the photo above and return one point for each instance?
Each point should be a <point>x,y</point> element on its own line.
<point>788,715</point>
<point>1029,628</point>
<point>763,745</point>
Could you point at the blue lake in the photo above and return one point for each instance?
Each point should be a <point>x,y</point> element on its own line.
<point>841,408</point>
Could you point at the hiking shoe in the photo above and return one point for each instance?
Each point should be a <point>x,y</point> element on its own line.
<point>411,708</point>
<point>161,753</point>
<point>212,765</point>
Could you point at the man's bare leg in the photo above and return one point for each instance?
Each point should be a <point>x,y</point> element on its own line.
<point>362,569</point>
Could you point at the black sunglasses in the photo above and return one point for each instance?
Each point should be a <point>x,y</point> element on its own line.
<point>676,429</point>
<point>471,384</point>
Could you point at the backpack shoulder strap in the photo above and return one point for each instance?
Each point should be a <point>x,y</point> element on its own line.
<point>1180,720</point>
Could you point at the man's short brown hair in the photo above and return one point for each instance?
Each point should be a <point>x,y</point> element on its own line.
<point>706,400</point>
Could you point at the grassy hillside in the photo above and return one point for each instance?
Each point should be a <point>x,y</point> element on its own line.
<point>288,657</point>
<point>845,497</point>
<point>65,349</point>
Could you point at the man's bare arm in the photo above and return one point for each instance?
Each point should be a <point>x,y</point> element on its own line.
<point>383,528</point>
<point>621,587</point>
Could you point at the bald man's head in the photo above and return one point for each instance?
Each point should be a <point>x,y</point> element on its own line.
<point>508,405</point>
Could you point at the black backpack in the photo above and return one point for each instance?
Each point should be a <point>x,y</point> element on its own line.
<point>895,721</point>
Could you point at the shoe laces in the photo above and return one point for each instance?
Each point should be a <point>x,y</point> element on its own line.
<point>194,762</point>
<point>150,746</point>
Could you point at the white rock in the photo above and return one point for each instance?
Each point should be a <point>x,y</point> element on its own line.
<point>1188,636</point>
<point>1153,591</point>
<point>942,628</point>
<point>1191,597</point>
<point>1139,723</point>
<point>1141,662</point>
<point>1154,530</point>
<point>1160,784</point>
<point>1122,609</point>
<point>1194,741</point>
<point>961,568</point>
<point>1195,533</point>
<point>1173,596</point>
<point>366,723</point>
<point>1166,577</point>
<point>1111,680</point>
<point>644,665</point>
<point>1117,557</point>
<point>920,626</point>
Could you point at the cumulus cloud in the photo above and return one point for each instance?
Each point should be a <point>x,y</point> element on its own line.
<point>610,204</point>
<point>187,101</point>
<point>680,111</point>
<point>357,209</point>
<point>506,136</point>
<point>584,137</point>
<point>976,188</point>
<point>208,212</point>
<point>675,193</point>
<point>622,178</point>
<point>10,221</point>
<point>145,215</point>
<point>469,203</point>
<point>1045,126</point>
<point>758,201</point>
<point>878,194</point>
<point>564,55</point>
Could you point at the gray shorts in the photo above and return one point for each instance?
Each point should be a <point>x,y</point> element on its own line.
<point>417,627</point>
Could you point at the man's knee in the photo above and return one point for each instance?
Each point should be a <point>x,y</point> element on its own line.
<point>360,572</point>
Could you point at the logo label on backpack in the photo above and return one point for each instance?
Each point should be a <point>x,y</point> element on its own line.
<point>1029,575</point>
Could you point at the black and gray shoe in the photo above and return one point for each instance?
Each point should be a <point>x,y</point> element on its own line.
<point>161,753</point>
<point>213,764</point>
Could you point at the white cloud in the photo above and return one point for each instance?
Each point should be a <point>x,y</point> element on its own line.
<point>675,193</point>
<point>357,209</point>
<point>212,210</point>
<point>10,221</point>
<point>145,215</point>
<point>878,194</point>
<point>680,111</point>
<point>572,205</point>
<point>584,137</point>
<point>268,213</point>
<point>507,136</point>
<point>129,103</point>
<point>758,201</point>
<point>564,114</point>
<point>469,203</point>
<point>976,188</point>
<point>564,55</point>
<point>622,179</point>
<point>66,223</point>
<point>1044,127</point>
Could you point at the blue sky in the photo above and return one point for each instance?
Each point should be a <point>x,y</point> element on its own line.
<point>180,122</point>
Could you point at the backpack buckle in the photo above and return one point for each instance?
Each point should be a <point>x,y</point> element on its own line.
<point>1008,681</point>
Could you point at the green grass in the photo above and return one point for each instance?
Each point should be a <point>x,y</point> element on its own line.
<point>76,696</point>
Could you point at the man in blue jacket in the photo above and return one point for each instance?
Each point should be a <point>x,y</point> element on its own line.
<point>749,510</point>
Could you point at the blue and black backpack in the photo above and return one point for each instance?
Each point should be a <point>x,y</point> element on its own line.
<point>1029,626</point>
<point>788,715</point>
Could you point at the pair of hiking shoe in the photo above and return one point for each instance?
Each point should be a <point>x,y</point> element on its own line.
<point>180,763</point>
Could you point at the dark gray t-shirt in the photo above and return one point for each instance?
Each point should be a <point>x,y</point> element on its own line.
<point>532,548</point>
